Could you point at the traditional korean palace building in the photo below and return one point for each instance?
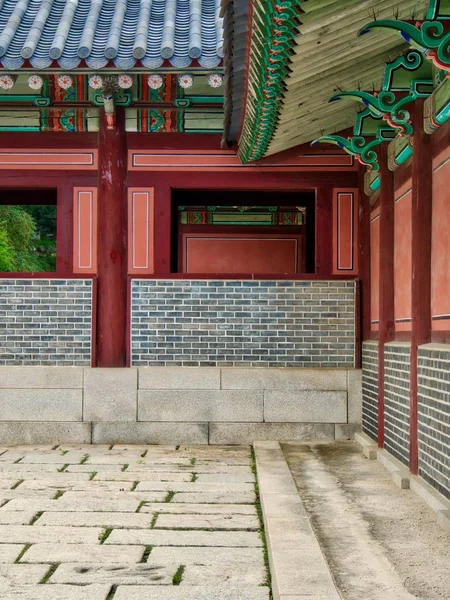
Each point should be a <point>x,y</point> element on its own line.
<point>252,205</point>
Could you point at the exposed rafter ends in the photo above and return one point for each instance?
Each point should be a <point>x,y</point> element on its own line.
<point>322,55</point>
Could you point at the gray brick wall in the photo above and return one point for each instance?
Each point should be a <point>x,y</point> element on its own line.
<point>251,323</point>
<point>397,369</point>
<point>45,322</point>
<point>434,415</point>
<point>370,389</point>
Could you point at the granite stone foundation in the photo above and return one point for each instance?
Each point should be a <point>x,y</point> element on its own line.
<point>176,404</point>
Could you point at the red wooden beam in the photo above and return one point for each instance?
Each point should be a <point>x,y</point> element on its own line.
<point>386,331</point>
<point>421,215</point>
<point>112,243</point>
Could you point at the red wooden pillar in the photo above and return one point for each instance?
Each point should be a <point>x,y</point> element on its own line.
<point>364,256</point>
<point>386,331</point>
<point>324,231</point>
<point>64,230</point>
<point>421,214</point>
<point>112,243</point>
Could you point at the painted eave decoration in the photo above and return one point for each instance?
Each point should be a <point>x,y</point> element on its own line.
<point>301,53</point>
<point>422,72</point>
<point>98,34</point>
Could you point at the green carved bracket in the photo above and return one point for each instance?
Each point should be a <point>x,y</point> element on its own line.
<point>358,146</point>
<point>406,79</point>
<point>385,105</point>
<point>430,37</point>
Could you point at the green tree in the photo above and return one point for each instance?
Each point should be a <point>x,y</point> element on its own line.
<point>21,246</point>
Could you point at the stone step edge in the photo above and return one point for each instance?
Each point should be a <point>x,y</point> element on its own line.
<point>284,551</point>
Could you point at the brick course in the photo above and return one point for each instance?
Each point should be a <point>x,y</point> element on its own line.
<point>370,389</point>
<point>397,368</point>
<point>45,322</point>
<point>434,415</point>
<point>237,323</point>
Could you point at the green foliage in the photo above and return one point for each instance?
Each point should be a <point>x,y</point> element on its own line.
<point>27,239</point>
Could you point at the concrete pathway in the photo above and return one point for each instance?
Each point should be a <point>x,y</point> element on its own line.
<point>129,522</point>
<point>380,542</point>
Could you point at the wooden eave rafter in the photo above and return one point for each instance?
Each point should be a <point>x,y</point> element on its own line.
<point>325,56</point>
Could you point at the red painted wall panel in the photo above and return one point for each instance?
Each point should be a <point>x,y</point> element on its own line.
<point>229,253</point>
<point>375,269</point>
<point>440,245</point>
<point>402,257</point>
<point>140,231</point>
<point>345,231</point>
<point>85,230</point>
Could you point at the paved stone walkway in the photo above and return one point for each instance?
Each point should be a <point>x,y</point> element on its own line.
<point>129,522</point>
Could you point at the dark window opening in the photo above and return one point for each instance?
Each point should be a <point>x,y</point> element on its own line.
<point>247,232</point>
<point>28,231</point>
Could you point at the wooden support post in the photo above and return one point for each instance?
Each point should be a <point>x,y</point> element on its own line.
<point>421,215</point>
<point>112,243</point>
<point>64,230</point>
<point>364,256</point>
<point>324,231</point>
<point>386,287</point>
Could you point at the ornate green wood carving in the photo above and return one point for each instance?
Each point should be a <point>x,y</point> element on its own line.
<point>430,37</point>
<point>405,80</point>
<point>399,150</point>
<point>369,133</point>
<point>437,107</point>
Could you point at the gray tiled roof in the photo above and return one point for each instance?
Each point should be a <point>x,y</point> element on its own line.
<point>125,31</point>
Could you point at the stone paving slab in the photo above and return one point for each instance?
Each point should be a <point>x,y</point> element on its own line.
<point>225,478</point>
<point>93,468</point>
<point>83,553</point>
<point>69,457</point>
<point>213,497</point>
<point>9,552</point>
<point>194,487</point>
<point>139,574</point>
<point>36,475</point>
<point>116,520</point>
<point>221,574</point>
<point>161,537</point>
<point>15,517</point>
<point>204,556</point>
<point>55,592</point>
<point>128,592</point>
<point>21,574</point>
<point>199,509</point>
<point>76,505</point>
<point>244,522</point>
<point>56,483</point>
<point>7,484</point>
<point>144,476</point>
<point>19,469</point>
<point>28,534</point>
